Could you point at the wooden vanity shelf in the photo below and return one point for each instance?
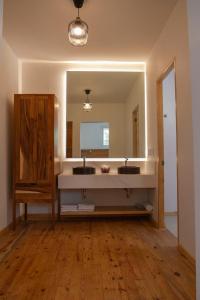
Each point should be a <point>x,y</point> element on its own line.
<point>69,182</point>
<point>110,211</point>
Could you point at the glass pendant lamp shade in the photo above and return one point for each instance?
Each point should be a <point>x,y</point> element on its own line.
<point>87,106</point>
<point>78,32</point>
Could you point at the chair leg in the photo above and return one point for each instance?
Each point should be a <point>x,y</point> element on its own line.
<point>14,213</point>
<point>59,205</point>
<point>53,214</point>
<point>25,212</point>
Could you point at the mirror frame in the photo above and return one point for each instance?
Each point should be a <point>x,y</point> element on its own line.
<point>102,66</point>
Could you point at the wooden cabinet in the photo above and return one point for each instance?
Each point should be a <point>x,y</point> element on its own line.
<point>35,160</point>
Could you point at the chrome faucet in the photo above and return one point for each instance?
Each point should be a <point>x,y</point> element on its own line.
<point>84,161</point>
<point>126,160</point>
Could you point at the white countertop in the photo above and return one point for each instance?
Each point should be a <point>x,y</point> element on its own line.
<point>106,181</point>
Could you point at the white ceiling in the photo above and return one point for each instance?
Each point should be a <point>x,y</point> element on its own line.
<point>105,86</point>
<point>118,29</point>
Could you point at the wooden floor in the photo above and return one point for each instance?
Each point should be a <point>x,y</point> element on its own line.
<point>96,260</point>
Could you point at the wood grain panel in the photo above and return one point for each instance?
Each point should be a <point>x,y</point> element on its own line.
<point>26,143</point>
<point>34,151</point>
<point>45,144</point>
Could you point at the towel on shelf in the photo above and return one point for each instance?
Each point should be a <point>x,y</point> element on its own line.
<point>148,207</point>
<point>86,207</point>
<point>68,207</point>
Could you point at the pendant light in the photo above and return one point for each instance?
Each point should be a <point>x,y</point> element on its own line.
<point>78,29</point>
<point>87,106</point>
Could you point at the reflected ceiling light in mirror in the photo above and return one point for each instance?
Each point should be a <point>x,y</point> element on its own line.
<point>87,106</point>
<point>78,29</point>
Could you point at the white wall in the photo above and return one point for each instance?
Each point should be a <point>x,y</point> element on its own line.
<point>134,99</point>
<point>169,122</point>
<point>8,86</point>
<point>173,43</point>
<point>194,39</point>
<point>47,78</point>
<point>112,113</point>
<point>1,17</point>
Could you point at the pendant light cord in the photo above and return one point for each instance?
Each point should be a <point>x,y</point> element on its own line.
<point>78,12</point>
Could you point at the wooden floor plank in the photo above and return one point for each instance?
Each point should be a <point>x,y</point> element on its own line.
<point>96,260</point>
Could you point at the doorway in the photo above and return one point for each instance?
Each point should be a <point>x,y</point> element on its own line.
<point>135,134</point>
<point>167,151</point>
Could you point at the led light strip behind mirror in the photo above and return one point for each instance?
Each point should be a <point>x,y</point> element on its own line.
<point>101,66</point>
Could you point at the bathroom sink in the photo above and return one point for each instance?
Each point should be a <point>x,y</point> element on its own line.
<point>84,170</point>
<point>128,170</point>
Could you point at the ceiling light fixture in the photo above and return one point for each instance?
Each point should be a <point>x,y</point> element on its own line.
<point>87,106</point>
<point>78,29</point>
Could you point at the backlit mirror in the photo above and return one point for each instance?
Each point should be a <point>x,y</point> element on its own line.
<point>105,114</point>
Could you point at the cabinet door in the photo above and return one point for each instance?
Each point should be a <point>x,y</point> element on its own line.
<point>25,139</point>
<point>45,139</point>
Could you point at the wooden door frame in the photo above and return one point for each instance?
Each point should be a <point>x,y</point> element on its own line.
<point>160,136</point>
<point>69,123</point>
<point>136,110</point>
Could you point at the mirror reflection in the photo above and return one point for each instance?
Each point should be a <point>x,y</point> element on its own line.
<point>94,139</point>
<point>105,114</point>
